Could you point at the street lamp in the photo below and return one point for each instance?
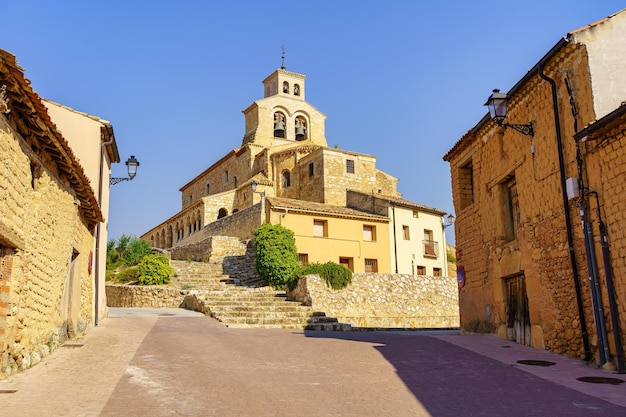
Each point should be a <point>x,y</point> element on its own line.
<point>254,185</point>
<point>496,103</point>
<point>131,164</point>
<point>451,219</point>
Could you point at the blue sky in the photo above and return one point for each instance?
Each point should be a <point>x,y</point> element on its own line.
<point>402,80</point>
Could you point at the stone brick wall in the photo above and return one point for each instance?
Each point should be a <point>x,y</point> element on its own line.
<point>385,300</point>
<point>149,296</point>
<point>210,248</point>
<point>481,164</point>
<point>45,295</point>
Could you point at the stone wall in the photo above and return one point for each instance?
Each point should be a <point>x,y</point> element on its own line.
<point>149,296</point>
<point>45,281</point>
<point>241,224</point>
<point>209,248</point>
<point>385,300</point>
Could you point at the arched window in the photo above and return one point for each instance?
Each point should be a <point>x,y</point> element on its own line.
<point>285,87</point>
<point>286,179</point>
<point>296,89</point>
<point>301,131</point>
<point>279,125</point>
<point>222,213</point>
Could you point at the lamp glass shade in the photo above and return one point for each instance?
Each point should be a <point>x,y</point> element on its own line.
<point>497,105</point>
<point>451,218</point>
<point>132,164</point>
<point>254,185</point>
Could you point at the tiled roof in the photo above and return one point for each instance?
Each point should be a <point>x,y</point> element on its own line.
<point>323,209</point>
<point>409,204</point>
<point>30,118</point>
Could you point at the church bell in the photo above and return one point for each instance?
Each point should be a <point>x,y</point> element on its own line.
<point>299,133</point>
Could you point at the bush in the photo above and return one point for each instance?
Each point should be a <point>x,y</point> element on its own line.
<point>127,275</point>
<point>336,276</point>
<point>276,254</point>
<point>154,270</point>
<point>127,250</point>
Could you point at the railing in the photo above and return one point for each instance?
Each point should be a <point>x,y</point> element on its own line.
<point>431,248</point>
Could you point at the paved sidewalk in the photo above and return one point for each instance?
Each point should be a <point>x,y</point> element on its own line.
<point>167,362</point>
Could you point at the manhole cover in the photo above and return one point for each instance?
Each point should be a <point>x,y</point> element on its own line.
<point>600,380</point>
<point>507,346</point>
<point>533,362</point>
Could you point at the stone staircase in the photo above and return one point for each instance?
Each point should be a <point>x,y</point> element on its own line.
<point>245,301</point>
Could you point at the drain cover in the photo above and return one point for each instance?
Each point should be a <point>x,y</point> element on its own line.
<point>600,380</point>
<point>506,346</point>
<point>532,362</point>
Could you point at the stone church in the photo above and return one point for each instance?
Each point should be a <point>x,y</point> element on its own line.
<point>284,172</point>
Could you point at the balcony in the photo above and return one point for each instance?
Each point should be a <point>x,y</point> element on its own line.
<point>431,248</point>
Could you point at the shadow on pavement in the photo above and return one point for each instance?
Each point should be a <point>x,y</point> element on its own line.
<point>449,380</point>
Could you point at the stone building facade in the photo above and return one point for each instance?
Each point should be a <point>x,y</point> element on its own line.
<point>285,153</point>
<point>48,218</point>
<point>520,247</point>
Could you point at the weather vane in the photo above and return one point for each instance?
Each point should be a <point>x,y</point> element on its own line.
<point>282,48</point>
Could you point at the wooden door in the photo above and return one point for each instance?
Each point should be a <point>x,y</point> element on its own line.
<point>517,314</point>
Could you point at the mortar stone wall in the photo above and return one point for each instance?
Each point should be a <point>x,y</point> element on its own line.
<point>210,248</point>
<point>41,302</point>
<point>384,300</point>
<point>149,296</point>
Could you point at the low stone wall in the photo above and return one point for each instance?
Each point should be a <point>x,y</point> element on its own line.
<point>385,300</point>
<point>148,296</point>
<point>211,247</point>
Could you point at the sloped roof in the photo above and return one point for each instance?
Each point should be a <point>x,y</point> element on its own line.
<point>397,201</point>
<point>30,118</point>
<point>322,209</point>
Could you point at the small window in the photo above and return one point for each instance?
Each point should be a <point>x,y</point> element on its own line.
<point>437,272</point>
<point>369,233</point>
<point>311,169</point>
<point>226,177</point>
<point>320,228</point>
<point>208,189</point>
<point>371,265</point>
<point>350,166</point>
<point>421,270</point>
<point>191,199</point>
<point>466,184</point>
<point>347,262</point>
<point>416,214</point>
<point>222,213</point>
<point>303,259</point>
<point>285,87</point>
<point>296,89</point>
<point>406,233</point>
<point>286,179</point>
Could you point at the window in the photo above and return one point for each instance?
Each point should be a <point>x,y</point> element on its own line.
<point>303,259</point>
<point>226,177</point>
<point>350,166</point>
<point>437,272</point>
<point>466,184</point>
<point>296,89</point>
<point>431,249</point>
<point>511,208</point>
<point>421,270</point>
<point>416,214</point>
<point>191,199</point>
<point>208,189</point>
<point>279,125</point>
<point>286,179</point>
<point>371,265</point>
<point>222,213</point>
<point>347,262</point>
<point>311,169</point>
<point>285,87</point>
<point>320,228</point>
<point>406,233</point>
<point>369,233</point>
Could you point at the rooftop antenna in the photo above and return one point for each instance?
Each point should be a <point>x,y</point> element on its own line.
<point>282,48</point>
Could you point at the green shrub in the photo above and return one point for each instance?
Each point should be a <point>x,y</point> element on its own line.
<point>336,276</point>
<point>154,270</point>
<point>137,249</point>
<point>276,254</point>
<point>127,275</point>
<point>128,250</point>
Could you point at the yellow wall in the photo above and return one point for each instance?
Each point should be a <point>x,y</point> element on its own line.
<point>344,239</point>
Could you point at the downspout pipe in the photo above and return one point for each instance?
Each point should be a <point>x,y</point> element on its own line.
<point>395,239</point>
<point>568,220</point>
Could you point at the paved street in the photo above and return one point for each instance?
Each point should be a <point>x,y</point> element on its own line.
<point>177,363</point>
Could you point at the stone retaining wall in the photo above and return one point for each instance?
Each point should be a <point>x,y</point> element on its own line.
<point>149,296</point>
<point>385,300</point>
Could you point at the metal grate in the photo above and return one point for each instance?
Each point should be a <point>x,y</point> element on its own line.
<point>532,362</point>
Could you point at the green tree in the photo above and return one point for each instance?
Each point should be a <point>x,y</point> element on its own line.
<point>276,254</point>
